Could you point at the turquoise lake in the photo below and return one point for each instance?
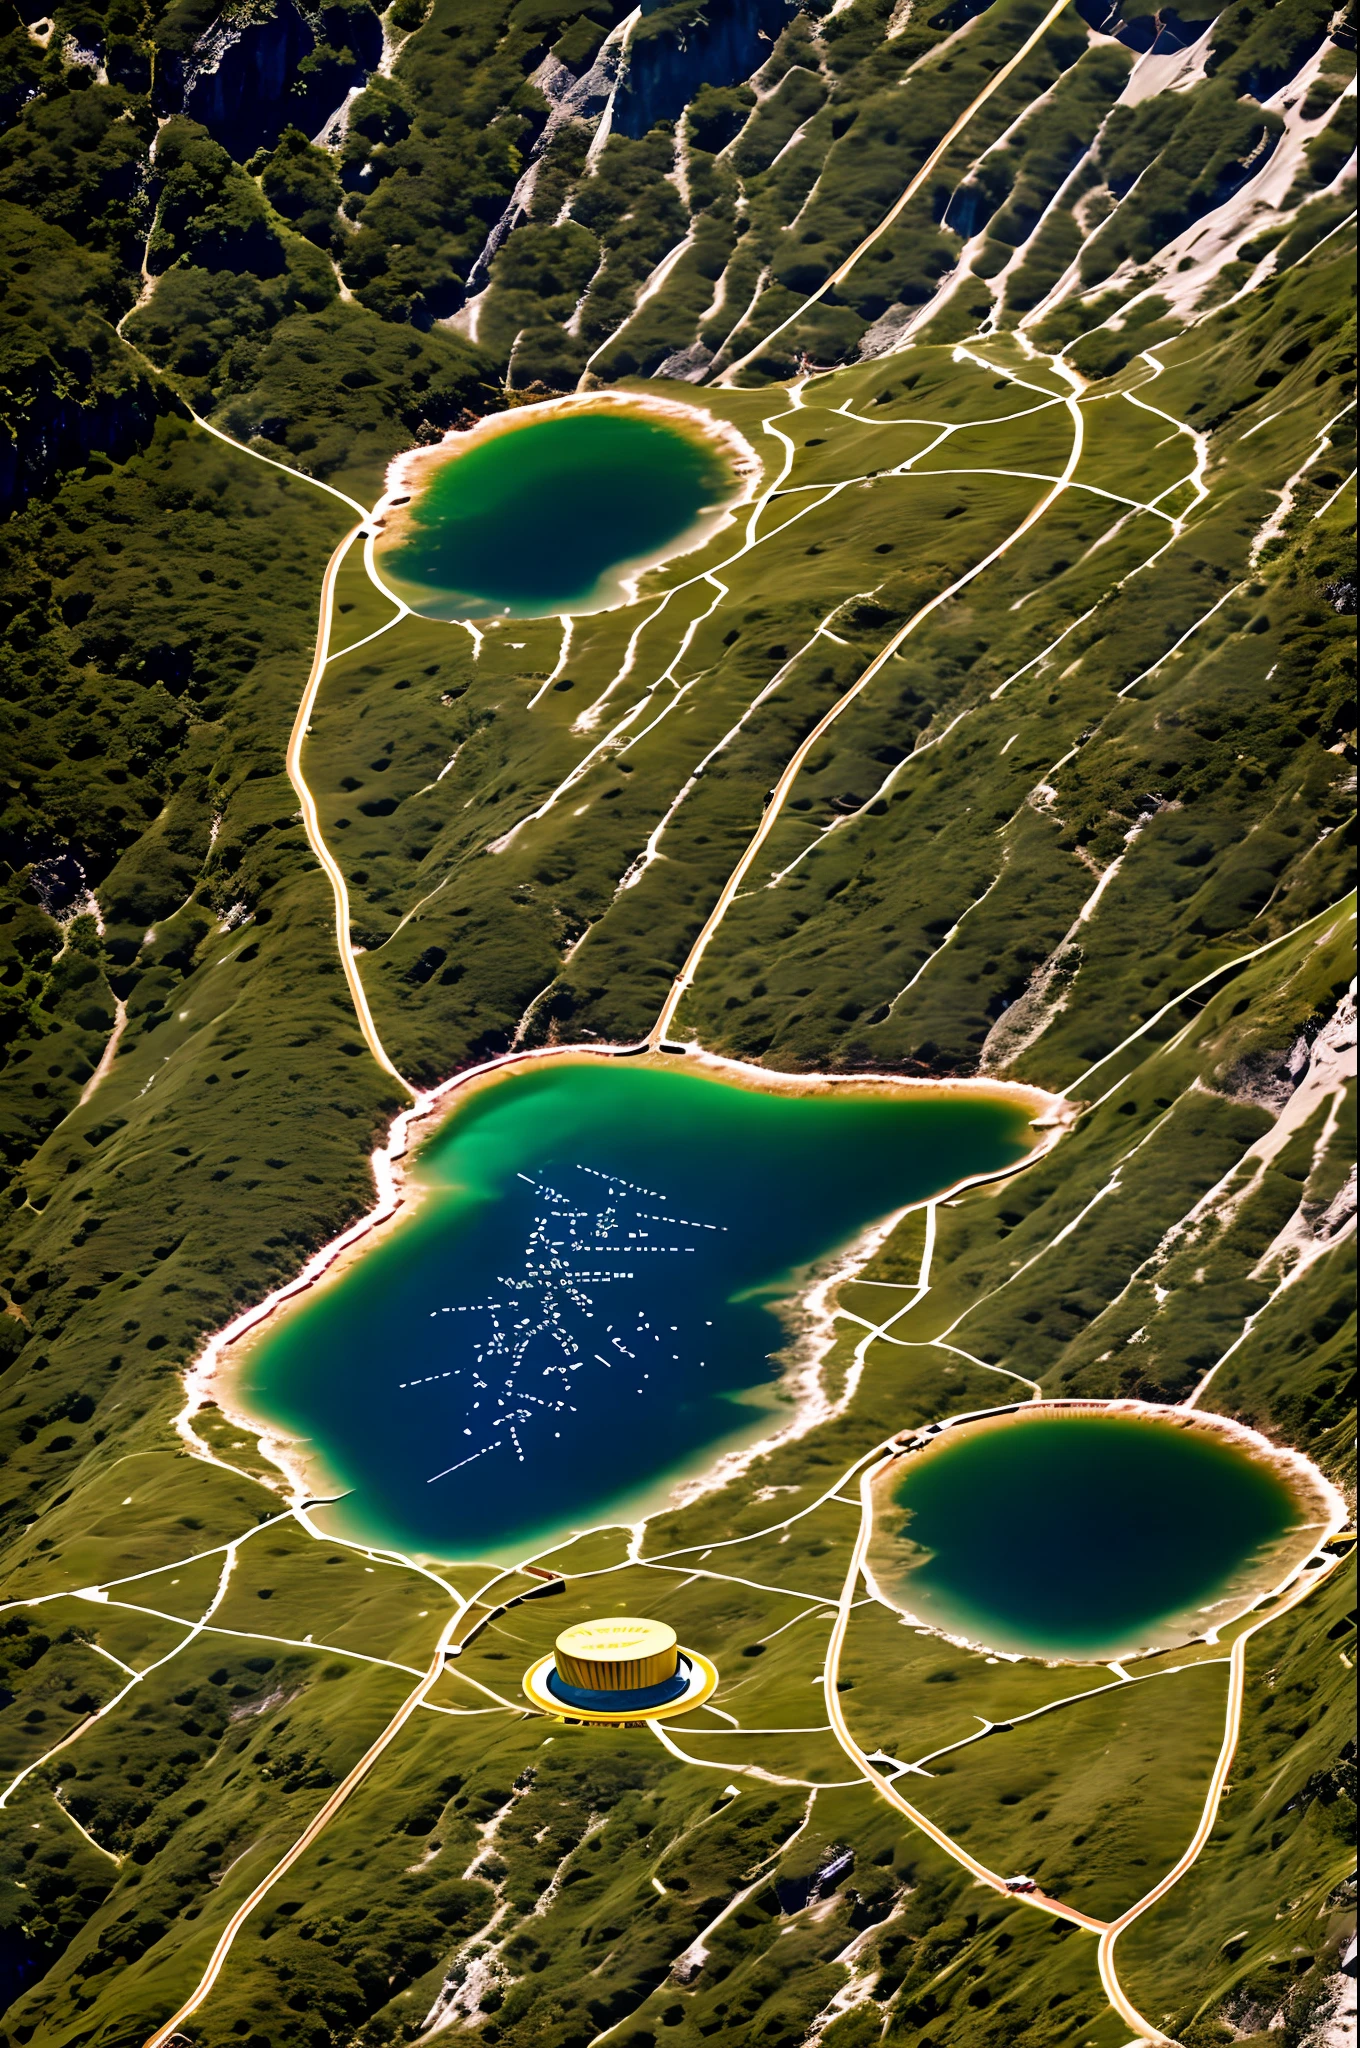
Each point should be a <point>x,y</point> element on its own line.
<point>1081,1535</point>
<point>542,516</point>
<point>585,1305</point>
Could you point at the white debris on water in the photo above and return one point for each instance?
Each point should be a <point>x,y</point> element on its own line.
<point>580,1245</point>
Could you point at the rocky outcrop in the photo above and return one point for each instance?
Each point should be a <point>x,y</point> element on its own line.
<point>686,365</point>
<point>588,99</point>
<point>1323,1053</point>
<point>882,336</point>
<point>1268,1079</point>
<point>1025,1020</point>
<point>796,1892</point>
<point>247,80</point>
<point>1157,35</point>
<point>676,49</point>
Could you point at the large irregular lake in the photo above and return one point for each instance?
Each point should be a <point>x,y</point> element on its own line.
<point>1085,1535</point>
<point>584,1306</point>
<point>553,510</point>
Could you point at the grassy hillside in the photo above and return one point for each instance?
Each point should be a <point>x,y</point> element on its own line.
<point>1054,552</point>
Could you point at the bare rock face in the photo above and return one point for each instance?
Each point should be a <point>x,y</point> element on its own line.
<point>718,43</point>
<point>686,365</point>
<point>246,80</point>
<point>1268,1079</point>
<point>1323,1052</point>
<point>882,337</point>
<point>1030,1015</point>
<point>588,98</point>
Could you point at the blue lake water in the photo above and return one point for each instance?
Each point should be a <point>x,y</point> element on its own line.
<point>585,1304</point>
<point>1081,1535</point>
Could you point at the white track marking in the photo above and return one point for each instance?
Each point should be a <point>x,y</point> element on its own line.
<point>704,1763</point>
<point>948,938</point>
<point>1240,960</point>
<point>839,823</point>
<point>1237,1664</point>
<point>416,1698</point>
<point>1295,1273</point>
<point>567,623</point>
<point>1070,1699</point>
<point>920,1289</point>
<point>735,329</point>
<point>312,822</point>
<point>97,1592</point>
<point>100,1651</point>
<point>1175,524</point>
<point>254,1635</point>
<point>835,1714</point>
<point>1044,652</point>
<point>997,78</point>
<point>1036,1392</point>
<point>106,1058</point>
<point>300,474</point>
<point>1057,292</point>
<point>1343,486</point>
<point>1034,476</point>
<point>652,850</point>
<point>195,1629</point>
<point>696,1948</point>
<point>1198,439</point>
<point>1275,525</point>
<point>620,735</point>
<point>1003,419</point>
<point>590,717</point>
<point>786,781</point>
<point>62,1807</point>
<point>654,283</point>
<point>355,645</point>
<point>1113,1186</point>
<point>166,2033</point>
<point>822,1728</point>
<point>728,1578</point>
<point>823,1608</point>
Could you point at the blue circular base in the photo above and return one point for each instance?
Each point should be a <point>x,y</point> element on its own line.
<point>620,1702</point>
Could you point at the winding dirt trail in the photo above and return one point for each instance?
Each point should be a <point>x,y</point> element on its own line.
<point>1303,1583</point>
<point>414,1698</point>
<point>312,823</point>
<point>1237,1678</point>
<point>884,1786</point>
<point>109,1054</point>
<point>783,788</point>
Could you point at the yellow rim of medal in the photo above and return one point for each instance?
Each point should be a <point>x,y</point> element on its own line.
<point>703,1685</point>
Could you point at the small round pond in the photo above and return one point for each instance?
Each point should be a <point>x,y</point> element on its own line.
<point>557,508</point>
<point>1086,1535</point>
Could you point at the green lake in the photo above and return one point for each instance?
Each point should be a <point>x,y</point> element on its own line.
<point>1083,1535</point>
<point>583,1307</point>
<point>550,512</point>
